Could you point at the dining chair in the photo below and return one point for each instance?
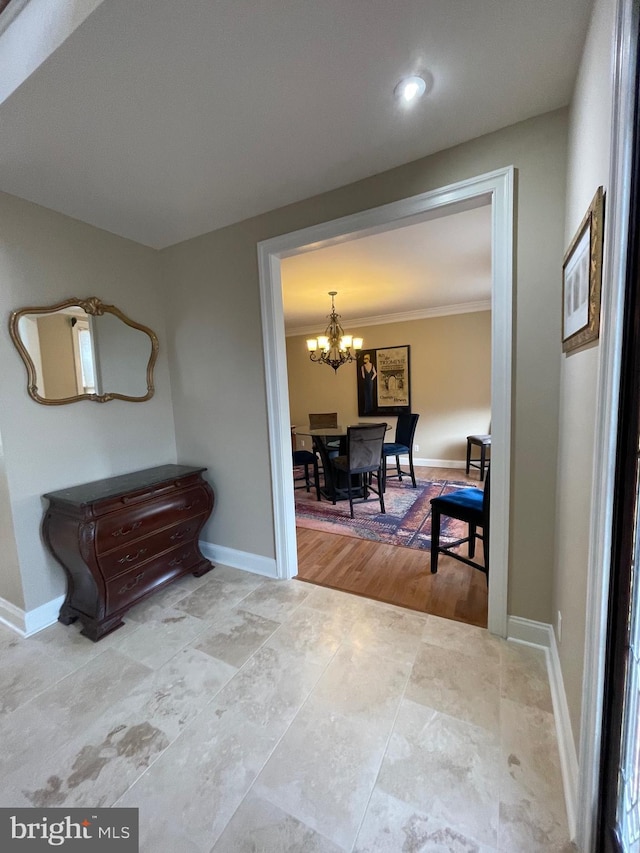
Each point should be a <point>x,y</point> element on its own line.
<point>484,443</point>
<point>471,506</point>
<point>403,444</point>
<point>317,420</point>
<point>325,479</point>
<point>364,461</point>
<point>306,460</point>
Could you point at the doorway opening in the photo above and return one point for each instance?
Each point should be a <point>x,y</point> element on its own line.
<point>496,188</point>
<point>419,296</point>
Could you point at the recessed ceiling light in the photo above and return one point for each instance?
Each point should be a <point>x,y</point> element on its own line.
<point>410,89</point>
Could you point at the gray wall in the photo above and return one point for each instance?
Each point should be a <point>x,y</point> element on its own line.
<point>587,168</point>
<point>217,372</point>
<point>10,577</point>
<point>211,308</point>
<point>46,257</point>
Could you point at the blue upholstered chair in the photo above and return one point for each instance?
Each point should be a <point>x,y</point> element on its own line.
<point>403,444</point>
<point>471,506</point>
<point>306,460</point>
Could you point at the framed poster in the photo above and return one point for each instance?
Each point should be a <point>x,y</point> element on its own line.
<point>384,381</point>
<point>582,279</point>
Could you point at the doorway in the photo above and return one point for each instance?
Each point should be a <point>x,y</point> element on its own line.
<point>496,188</point>
<point>421,292</point>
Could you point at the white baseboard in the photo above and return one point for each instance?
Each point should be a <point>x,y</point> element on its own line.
<point>529,632</point>
<point>542,635</point>
<point>430,463</point>
<point>254,563</point>
<point>26,623</point>
<point>13,617</point>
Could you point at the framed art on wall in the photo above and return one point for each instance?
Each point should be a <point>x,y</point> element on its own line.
<point>582,279</point>
<point>383,379</point>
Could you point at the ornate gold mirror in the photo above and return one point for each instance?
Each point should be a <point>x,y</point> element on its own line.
<point>82,349</point>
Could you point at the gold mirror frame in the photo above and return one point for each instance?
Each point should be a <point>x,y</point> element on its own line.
<point>95,307</point>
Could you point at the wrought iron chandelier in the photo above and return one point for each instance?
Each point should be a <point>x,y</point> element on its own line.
<point>334,347</point>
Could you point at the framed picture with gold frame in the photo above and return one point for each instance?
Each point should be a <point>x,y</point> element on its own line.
<point>582,279</point>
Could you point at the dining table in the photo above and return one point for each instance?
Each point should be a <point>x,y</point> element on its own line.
<point>329,442</point>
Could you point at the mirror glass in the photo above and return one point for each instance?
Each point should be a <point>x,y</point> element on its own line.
<point>84,349</point>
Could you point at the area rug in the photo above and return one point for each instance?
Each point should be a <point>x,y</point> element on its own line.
<point>407,521</point>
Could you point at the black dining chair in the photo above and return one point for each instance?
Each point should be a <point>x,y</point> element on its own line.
<point>320,420</point>
<point>326,475</point>
<point>484,443</point>
<point>403,444</point>
<point>317,420</point>
<point>363,461</point>
<point>471,506</point>
<point>306,460</point>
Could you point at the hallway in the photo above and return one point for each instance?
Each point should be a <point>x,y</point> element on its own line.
<point>239,713</point>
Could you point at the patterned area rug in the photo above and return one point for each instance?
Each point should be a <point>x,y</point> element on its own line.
<point>407,521</point>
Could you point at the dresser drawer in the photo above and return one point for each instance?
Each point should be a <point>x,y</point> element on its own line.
<point>122,527</point>
<point>133,584</point>
<point>128,556</point>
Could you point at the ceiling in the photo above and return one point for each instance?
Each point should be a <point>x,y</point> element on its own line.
<point>434,267</point>
<point>162,119</point>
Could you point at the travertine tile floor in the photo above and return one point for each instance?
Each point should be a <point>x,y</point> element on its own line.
<point>240,714</point>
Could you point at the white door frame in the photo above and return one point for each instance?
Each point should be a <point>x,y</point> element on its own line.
<point>496,187</point>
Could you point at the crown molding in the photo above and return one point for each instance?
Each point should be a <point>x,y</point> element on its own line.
<point>403,317</point>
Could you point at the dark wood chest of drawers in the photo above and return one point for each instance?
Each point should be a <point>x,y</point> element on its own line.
<point>121,539</point>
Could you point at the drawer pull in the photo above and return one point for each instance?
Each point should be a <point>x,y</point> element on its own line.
<point>189,506</point>
<point>131,584</point>
<point>131,558</point>
<point>123,532</point>
<point>177,560</point>
<point>180,534</point>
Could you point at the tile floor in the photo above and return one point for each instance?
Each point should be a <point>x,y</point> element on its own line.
<point>241,714</point>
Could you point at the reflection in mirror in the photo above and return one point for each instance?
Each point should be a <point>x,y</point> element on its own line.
<point>84,350</point>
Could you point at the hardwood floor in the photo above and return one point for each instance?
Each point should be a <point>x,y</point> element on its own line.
<point>396,575</point>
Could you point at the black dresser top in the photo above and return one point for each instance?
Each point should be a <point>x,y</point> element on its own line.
<point>113,487</point>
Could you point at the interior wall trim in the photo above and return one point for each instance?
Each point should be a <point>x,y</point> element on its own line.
<point>528,631</point>
<point>28,622</point>
<point>11,13</point>
<point>404,317</point>
<point>497,188</point>
<point>430,463</point>
<point>254,563</point>
<point>13,617</point>
<point>542,635</point>
<point>623,70</point>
